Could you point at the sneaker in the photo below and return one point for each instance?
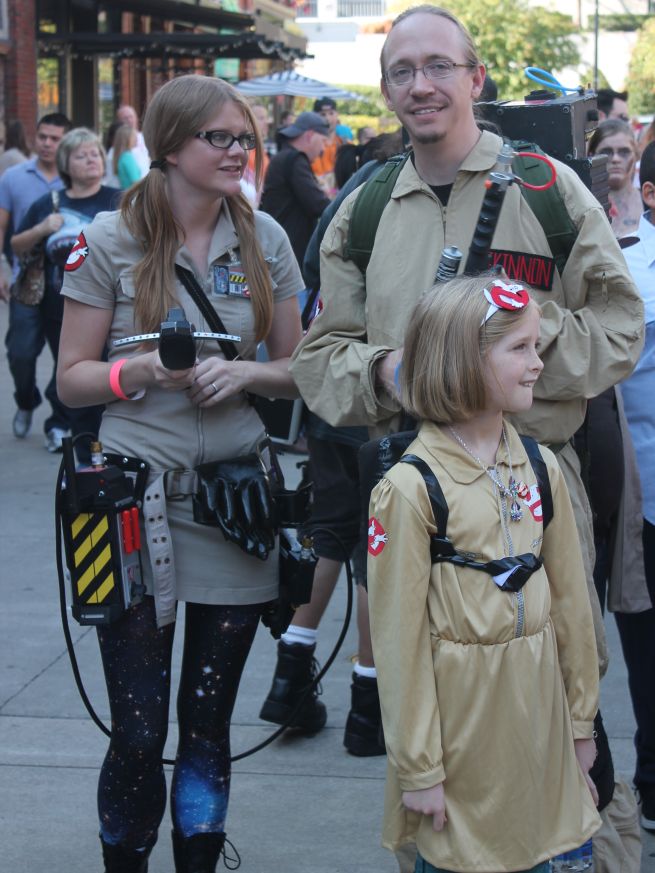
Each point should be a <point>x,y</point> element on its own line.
<point>53,439</point>
<point>647,807</point>
<point>22,423</point>
<point>294,673</point>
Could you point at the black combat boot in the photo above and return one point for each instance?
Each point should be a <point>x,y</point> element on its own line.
<point>120,860</point>
<point>295,671</point>
<point>363,735</point>
<point>200,853</point>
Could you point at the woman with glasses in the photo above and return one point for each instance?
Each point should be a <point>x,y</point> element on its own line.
<point>122,277</point>
<point>615,139</point>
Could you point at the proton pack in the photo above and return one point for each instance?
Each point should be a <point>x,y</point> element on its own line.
<point>98,510</point>
<point>542,124</point>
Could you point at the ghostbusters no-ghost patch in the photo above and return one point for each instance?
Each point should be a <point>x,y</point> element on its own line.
<point>377,537</point>
<point>531,496</point>
<point>77,254</point>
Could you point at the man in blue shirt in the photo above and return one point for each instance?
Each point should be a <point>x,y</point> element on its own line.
<point>20,186</point>
<point>638,629</point>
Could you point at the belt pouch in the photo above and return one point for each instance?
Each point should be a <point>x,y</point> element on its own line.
<point>235,495</point>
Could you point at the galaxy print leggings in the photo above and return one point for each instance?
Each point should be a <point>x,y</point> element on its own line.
<point>136,658</point>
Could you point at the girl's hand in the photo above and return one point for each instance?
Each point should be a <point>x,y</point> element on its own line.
<point>170,380</point>
<point>428,801</point>
<point>585,752</point>
<point>216,379</point>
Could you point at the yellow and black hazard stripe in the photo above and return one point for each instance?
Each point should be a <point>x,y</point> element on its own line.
<point>92,565</point>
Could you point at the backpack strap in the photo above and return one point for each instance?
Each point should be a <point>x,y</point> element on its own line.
<point>368,209</point>
<point>509,573</point>
<point>440,545</point>
<point>536,459</point>
<point>548,206</point>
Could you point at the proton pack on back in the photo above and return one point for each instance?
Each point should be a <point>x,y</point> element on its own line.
<point>510,573</point>
<point>548,206</point>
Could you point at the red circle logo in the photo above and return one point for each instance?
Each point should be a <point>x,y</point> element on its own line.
<point>77,254</point>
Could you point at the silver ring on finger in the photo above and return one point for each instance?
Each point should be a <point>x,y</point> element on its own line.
<point>213,385</point>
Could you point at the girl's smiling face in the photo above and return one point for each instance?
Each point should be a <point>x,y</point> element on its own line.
<point>513,365</point>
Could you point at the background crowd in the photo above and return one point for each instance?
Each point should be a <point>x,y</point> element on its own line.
<point>300,175</point>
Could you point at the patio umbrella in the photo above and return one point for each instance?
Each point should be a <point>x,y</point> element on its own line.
<point>292,84</point>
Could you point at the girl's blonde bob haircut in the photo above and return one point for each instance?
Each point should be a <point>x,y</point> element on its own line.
<point>443,367</point>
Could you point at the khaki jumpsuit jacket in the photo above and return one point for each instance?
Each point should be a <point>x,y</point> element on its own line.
<point>592,315</point>
<point>479,687</point>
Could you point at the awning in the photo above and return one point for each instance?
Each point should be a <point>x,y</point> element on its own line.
<point>247,45</point>
<point>292,84</point>
<point>188,13</point>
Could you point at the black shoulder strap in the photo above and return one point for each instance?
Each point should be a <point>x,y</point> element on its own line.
<point>210,315</point>
<point>543,480</point>
<point>440,545</point>
<point>514,571</point>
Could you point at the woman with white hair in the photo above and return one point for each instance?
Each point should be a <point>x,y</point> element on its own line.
<point>55,222</point>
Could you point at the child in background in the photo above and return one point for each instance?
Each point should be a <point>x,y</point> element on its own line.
<point>125,165</point>
<point>488,684</point>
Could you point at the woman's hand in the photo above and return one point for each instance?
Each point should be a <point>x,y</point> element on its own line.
<point>585,752</point>
<point>216,379</point>
<point>428,801</point>
<point>51,224</point>
<point>169,380</point>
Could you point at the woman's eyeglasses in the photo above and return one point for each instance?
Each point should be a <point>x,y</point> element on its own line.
<point>221,139</point>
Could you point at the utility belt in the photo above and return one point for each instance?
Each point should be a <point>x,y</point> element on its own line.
<point>241,496</point>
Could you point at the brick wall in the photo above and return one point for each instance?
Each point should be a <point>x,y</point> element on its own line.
<point>20,72</point>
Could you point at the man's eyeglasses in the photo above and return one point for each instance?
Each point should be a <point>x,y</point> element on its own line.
<point>403,75</point>
<point>221,139</point>
<point>624,153</point>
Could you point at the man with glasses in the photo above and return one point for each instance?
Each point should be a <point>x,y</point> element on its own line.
<point>592,317</point>
<point>291,193</point>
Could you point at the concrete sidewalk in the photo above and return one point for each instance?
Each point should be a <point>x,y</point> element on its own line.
<point>300,806</point>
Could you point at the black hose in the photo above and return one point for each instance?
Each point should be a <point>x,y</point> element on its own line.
<point>73,658</point>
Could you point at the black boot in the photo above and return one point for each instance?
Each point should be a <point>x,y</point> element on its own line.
<point>295,670</point>
<point>120,860</point>
<point>363,736</point>
<point>200,853</point>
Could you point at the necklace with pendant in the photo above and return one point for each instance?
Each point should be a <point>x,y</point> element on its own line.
<point>510,491</point>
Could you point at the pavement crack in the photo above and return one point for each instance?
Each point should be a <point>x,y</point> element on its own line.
<point>42,671</point>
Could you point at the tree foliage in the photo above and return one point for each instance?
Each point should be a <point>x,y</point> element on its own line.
<point>510,35</point>
<point>641,74</point>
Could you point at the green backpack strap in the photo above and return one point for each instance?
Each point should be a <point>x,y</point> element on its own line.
<point>368,209</point>
<point>548,206</point>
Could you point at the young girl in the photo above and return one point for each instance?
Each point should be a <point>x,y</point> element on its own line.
<point>488,695</point>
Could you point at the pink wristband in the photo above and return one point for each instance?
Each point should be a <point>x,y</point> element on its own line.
<point>114,379</point>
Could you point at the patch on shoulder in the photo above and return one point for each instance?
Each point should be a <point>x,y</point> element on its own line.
<point>77,254</point>
<point>377,537</point>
